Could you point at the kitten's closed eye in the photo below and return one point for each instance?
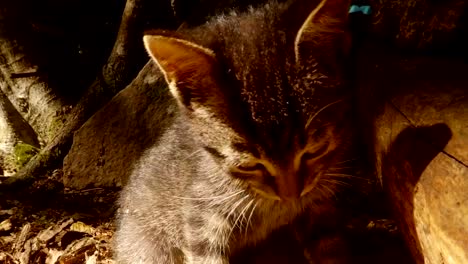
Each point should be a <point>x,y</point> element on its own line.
<point>310,155</point>
<point>319,132</point>
<point>250,171</point>
<point>252,168</point>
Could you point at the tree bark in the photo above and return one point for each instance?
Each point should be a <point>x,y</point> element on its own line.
<point>420,141</point>
<point>13,130</point>
<point>26,87</point>
<point>126,58</point>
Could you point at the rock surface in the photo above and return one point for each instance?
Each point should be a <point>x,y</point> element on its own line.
<point>107,145</point>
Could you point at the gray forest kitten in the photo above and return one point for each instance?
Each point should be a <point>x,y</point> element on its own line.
<point>263,132</point>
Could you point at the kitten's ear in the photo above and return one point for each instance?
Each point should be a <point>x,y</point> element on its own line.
<point>324,31</point>
<point>187,67</point>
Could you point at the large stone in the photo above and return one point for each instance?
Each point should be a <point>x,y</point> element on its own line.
<point>106,147</point>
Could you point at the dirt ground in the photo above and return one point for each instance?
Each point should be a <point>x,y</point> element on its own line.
<point>45,223</point>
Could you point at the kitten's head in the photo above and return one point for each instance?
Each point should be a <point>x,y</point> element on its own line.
<point>263,93</point>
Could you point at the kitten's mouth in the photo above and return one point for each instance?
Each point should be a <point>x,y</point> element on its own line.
<point>279,191</point>
<point>271,195</point>
<point>268,195</point>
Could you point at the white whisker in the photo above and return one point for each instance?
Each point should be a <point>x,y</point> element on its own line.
<point>328,189</point>
<point>318,112</point>
<point>250,218</point>
<point>192,155</point>
<point>238,218</point>
<point>244,217</point>
<point>337,182</point>
<point>343,175</point>
<point>235,206</point>
<point>222,197</point>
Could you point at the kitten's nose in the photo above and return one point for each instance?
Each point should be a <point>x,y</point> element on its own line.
<point>289,186</point>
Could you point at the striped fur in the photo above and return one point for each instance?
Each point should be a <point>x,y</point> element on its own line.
<point>260,138</point>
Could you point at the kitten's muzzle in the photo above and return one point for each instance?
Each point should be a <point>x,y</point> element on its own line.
<point>288,186</point>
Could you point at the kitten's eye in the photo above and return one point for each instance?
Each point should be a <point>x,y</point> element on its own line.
<point>319,132</point>
<point>247,172</point>
<point>312,155</point>
<point>256,167</point>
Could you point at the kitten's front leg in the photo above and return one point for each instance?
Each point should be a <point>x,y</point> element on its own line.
<point>206,259</point>
<point>206,239</point>
<point>200,251</point>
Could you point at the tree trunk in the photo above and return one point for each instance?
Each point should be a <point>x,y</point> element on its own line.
<point>23,83</point>
<point>422,158</point>
<point>126,59</point>
<point>18,141</point>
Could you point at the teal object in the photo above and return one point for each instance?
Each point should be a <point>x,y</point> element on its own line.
<point>365,9</point>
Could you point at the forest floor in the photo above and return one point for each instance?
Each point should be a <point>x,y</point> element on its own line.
<point>46,223</point>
